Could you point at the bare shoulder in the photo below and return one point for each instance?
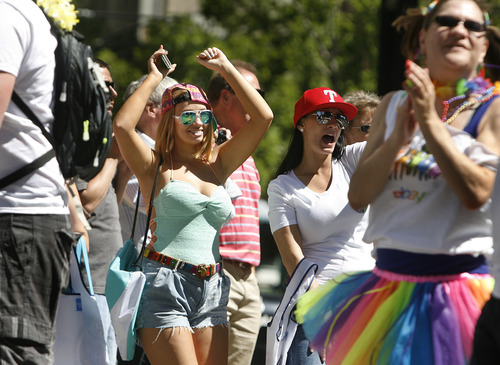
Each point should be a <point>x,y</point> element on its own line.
<point>488,131</point>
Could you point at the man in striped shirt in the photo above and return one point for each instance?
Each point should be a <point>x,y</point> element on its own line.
<point>240,237</point>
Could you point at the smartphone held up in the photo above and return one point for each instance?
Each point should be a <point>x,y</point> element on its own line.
<point>166,62</point>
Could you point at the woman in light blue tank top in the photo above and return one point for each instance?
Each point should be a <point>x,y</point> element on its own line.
<point>183,312</point>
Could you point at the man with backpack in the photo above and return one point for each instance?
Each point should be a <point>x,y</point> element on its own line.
<point>35,231</point>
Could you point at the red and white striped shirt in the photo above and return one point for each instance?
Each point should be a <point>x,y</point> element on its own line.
<point>240,237</point>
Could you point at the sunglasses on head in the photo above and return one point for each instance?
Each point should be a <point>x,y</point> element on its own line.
<point>324,117</point>
<point>364,128</point>
<point>188,118</point>
<point>451,22</point>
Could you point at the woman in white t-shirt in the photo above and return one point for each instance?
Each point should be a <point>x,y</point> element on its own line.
<point>309,212</point>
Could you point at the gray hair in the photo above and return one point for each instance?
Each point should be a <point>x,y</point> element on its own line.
<point>157,93</point>
<point>362,100</point>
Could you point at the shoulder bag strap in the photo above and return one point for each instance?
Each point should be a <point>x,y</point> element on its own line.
<point>150,208</point>
<point>40,161</point>
<point>135,213</point>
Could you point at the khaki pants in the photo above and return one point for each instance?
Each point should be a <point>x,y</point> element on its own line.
<point>244,313</point>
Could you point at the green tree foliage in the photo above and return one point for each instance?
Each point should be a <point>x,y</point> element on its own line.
<point>298,45</point>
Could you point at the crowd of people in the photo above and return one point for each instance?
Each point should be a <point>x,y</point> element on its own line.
<point>385,210</point>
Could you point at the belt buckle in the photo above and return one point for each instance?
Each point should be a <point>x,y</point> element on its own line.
<point>202,271</point>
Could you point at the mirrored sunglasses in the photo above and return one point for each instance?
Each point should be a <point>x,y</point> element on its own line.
<point>188,117</point>
<point>364,128</point>
<point>324,117</point>
<point>451,22</point>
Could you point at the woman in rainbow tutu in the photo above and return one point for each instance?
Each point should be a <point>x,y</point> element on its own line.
<point>427,173</point>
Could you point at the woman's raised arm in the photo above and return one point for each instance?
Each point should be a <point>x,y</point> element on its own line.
<point>135,152</point>
<point>235,151</point>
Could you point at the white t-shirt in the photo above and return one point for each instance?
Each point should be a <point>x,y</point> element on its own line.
<point>418,212</point>
<point>27,52</point>
<point>331,230</point>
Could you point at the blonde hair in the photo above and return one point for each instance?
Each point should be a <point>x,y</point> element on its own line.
<point>165,140</point>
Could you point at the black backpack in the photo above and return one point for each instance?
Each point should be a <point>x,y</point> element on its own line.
<point>82,128</point>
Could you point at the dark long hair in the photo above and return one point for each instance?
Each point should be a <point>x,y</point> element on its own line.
<point>296,151</point>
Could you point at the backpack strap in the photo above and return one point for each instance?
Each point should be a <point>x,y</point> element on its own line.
<point>40,161</point>
<point>27,169</point>
<point>29,113</point>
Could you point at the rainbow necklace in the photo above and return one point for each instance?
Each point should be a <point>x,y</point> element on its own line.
<point>479,86</point>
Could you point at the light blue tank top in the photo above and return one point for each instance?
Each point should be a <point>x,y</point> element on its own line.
<point>188,222</point>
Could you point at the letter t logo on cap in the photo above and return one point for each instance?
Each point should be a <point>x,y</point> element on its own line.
<point>332,94</point>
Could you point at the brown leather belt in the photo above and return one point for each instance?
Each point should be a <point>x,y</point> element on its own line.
<point>240,264</point>
<point>201,271</point>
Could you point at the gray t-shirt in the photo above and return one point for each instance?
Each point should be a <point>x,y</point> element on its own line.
<point>105,237</point>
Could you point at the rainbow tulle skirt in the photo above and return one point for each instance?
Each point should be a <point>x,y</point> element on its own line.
<point>381,317</point>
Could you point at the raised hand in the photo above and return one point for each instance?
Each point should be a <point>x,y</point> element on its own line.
<point>212,58</point>
<point>421,92</point>
<point>155,65</point>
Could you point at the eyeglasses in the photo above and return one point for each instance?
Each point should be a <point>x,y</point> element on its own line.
<point>324,117</point>
<point>110,84</point>
<point>188,118</point>
<point>364,128</point>
<point>451,22</point>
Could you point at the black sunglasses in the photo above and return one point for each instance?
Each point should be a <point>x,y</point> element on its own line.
<point>451,22</point>
<point>364,128</point>
<point>110,84</point>
<point>324,117</point>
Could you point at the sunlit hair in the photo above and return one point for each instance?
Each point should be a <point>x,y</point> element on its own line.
<point>165,134</point>
<point>363,100</point>
<point>157,93</point>
<point>417,19</point>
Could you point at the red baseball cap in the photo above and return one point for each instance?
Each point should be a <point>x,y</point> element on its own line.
<point>322,97</point>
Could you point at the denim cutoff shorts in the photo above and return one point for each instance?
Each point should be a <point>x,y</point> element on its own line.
<point>176,298</point>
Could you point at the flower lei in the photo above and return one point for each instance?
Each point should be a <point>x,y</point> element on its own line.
<point>62,12</point>
<point>479,86</point>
